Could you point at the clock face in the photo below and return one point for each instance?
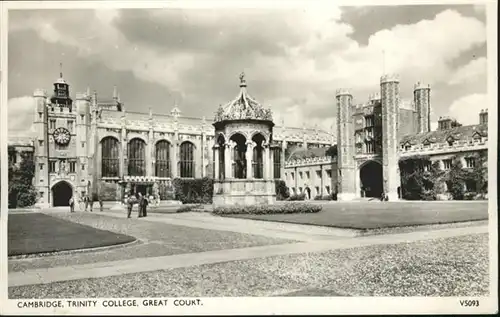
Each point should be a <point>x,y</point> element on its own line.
<point>62,136</point>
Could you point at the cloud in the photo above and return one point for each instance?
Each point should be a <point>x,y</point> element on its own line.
<point>294,59</point>
<point>470,72</point>
<point>20,112</point>
<point>466,109</point>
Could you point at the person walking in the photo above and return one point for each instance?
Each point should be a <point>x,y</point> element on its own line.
<point>72,204</point>
<point>145,203</point>
<point>130,205</point>
<point>140,200</point>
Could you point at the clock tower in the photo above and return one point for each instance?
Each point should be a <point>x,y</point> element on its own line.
<point>61,145</point>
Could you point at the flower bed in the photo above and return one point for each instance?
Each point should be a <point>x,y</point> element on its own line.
<point>289,208</point>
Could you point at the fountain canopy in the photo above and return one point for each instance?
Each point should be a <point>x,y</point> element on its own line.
<point>243,107</point>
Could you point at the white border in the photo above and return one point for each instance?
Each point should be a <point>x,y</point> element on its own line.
<point>253,305</point>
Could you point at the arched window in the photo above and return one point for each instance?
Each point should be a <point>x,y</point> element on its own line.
<point>277,162</point>
<point>137,158</point>
<point>257,161</point>
<point>186,162</point>
<point>239,156</point>
<point>110,157</point>
<point>162,158</point>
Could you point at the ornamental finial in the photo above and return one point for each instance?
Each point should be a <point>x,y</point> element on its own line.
<point>242,80</point>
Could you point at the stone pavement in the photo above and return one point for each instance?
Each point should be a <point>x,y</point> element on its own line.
<point>320,240</point>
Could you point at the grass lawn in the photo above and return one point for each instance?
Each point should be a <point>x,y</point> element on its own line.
<point>373,215</point>
<point>39,233</point>
<point>456,266</point>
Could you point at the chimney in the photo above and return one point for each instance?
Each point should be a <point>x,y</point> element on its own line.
<point>483,116</point>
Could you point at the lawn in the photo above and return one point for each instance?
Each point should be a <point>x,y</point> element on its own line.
<point>455,266</point>
<point>374,215</point>
<point>34,233</point>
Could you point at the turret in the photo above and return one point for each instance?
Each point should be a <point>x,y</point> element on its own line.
<point>345,145</point>
<point>389,92</point>
<point>421,97</point>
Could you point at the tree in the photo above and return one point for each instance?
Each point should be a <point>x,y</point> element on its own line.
<point>22,193</point>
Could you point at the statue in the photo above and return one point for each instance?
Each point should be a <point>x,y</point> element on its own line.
<point>242,77</point>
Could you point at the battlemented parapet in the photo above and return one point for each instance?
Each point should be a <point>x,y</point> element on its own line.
<point>389,78</point>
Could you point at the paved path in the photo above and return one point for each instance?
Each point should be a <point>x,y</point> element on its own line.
<point>113,268</point>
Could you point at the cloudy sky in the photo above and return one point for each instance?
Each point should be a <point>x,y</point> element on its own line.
<point>294,60</point>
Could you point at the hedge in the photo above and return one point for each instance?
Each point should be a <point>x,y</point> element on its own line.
<point>297,197</point>
<point>288,208</point>
<point>194,191</point>
<point>188,208</point>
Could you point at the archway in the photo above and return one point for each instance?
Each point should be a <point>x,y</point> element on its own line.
<point>371,179</point>
<point>239,156</point>
<point>61,193</point>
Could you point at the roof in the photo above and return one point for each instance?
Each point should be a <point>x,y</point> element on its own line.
<point>20,141</point>
<point>298,153</point>
<point>243,107</point>
<point>441,136</point>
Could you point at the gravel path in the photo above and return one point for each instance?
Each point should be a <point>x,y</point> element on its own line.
<point>443,267</point>
<point>158,239</point>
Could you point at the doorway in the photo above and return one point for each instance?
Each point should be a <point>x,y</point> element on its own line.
<point>61,193</point>
<point>371,179</point>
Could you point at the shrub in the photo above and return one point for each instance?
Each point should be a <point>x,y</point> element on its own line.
<point>297,197</point>
<point>282,191</point>
<point>107,192</point>
<point>286,208</point>
<point>194,191</point>
<point>22,193</point>
<point>188,208</point>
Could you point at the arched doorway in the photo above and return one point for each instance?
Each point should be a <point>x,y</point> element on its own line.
<point>371,179</point>
<point>61,193</point>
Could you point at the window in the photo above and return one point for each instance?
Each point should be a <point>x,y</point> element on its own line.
<point>83,167</point>
<point>427,166</point>
<point>318,174</point>
<point>277,163</point>
<point>41,166</point>
<point>83,144</point>
<point>72,166</point>
<point>257,161</point>
<point>40,142</point>
<point>60,93</point>
<point>447,164</point>
<point>369,132</point>
<point>292,175</point>
<point>52,124</point>
<point>470,162</point>
<point>307,176</point>
<point>301,176</point>
<point>162,157</point>
<point>470,185</point>
<point>136,157</point>
<point>370,147</point>
<point>300,190</point>
<point>317,190</point>
<point>110,157</point>
<point>327,189</point>
<point>70,126</point>
<point>40,115</point>
<point>369,121</point>
<point>186,162</point>
<point>329,173</point>
<point>82,116</point>
<point>52,166</point>
<point>41,194</point>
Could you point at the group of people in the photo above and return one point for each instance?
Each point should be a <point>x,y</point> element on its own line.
<point>142,204</point>
<point>86,201</point>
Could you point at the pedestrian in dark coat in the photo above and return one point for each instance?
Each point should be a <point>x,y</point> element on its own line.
<point>72,204</point>
<point>140,201</point>
<point>145,203</point>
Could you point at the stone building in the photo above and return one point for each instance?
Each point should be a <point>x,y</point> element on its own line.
<point>373,136</point>
<point>88,141</point>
